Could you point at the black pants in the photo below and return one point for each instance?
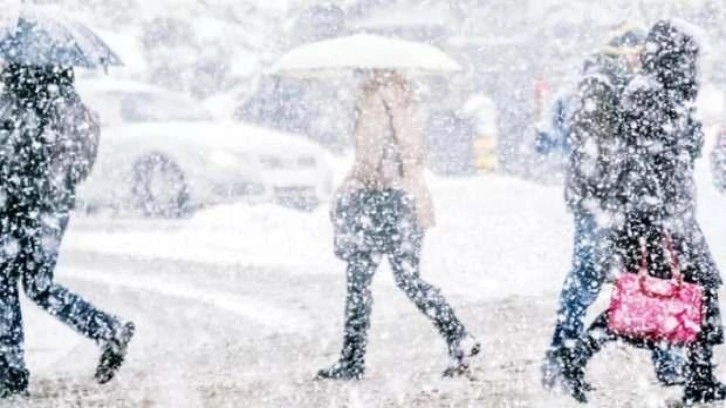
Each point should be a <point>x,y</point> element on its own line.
<point>427,298</point>
<point>30,245</point>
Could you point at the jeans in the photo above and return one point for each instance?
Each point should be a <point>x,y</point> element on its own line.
<point>584,282</point>
<point>582,287</point>
<point>29,253</point>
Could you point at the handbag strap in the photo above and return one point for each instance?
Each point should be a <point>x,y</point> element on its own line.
<point>395,145</point>
<point>670,248</point>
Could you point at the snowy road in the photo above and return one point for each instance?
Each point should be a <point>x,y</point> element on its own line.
<point>240,306</point>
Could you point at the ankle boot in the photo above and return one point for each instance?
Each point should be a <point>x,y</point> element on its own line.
<point>351,364</point>
<point>13,381</point>
<point>564,368</point>
<point>702,386</point>
<point>461,352</point>
<point>113,353</point>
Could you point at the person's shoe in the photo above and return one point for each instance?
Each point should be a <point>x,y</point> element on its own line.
<point>460,354</point>
<point>563,371</point>
<point>704,393</point>
<point>342,370</point>
<point>552,371</point>
<point>14,384</point>
<point>552,378</point>
<point>113,354</point>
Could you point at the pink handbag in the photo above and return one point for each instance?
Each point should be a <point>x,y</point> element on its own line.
<point>647,308</point>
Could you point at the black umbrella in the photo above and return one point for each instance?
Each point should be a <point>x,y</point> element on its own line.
<point>41,40</point>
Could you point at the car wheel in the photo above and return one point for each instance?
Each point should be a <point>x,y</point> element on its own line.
<point>159,187</point>
<point>305,204</point>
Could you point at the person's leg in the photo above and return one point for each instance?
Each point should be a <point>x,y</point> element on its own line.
<point>574,358</point>
<point>583,283</point>
<point>580,290</point>
<point>702,385</point>
<point>13,372</point>
<point>39,257</point>
<point>405,263</point>
<point>358,306</point>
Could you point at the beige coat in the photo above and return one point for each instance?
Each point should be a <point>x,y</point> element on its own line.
<point>376,164</point>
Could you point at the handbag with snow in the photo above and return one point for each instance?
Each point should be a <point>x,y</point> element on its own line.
<point>644,307</point>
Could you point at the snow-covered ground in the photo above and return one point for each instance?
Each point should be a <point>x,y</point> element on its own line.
<point>240,305</point>
<point>496,236</point>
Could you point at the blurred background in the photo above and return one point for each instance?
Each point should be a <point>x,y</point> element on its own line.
<point>519,56</point>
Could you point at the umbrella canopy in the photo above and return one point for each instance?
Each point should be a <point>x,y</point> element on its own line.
<point>364,51</point>
<point>41,39</point>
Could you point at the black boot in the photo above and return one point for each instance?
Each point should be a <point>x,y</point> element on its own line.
<point>343,370</point>
<point>113,353</point>
<point>15,384</point>
<point>461,352</point>
<point>358,305</point>
<point>13,381</point>
<point>351,365</point>
<point>702,386</point>
<point>570,363</point>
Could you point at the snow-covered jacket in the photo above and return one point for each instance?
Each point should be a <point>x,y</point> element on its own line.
<point>662,139</point>
<point>595,129</point>
<point>49,138</point>
<point>662,142</point>
<point>390,148</point>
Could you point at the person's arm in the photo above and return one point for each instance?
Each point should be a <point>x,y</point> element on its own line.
<point>645,126</point>
<point>81,137</point>
<point>594,122</point>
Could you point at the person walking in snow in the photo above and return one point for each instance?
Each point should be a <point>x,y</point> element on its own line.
<point>596,127</point>
<point>49,143</point>
<point>383,209</point>
<point>656,195</point>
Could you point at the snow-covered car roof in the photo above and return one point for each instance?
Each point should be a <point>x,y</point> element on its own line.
<point>218,134</point>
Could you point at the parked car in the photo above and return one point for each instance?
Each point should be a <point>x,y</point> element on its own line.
<point>718,160</point>
<point>163,155</point>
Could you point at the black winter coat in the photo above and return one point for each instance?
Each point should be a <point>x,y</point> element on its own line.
<point>656,189</point>
<point>48,140</point>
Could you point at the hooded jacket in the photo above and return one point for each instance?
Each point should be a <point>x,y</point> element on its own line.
<point>656,189</point>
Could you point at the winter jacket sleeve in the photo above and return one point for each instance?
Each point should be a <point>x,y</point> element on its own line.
<point>79,138</point>
<point>408,126</point>
<point>594,129</point>
<point>640,190</point>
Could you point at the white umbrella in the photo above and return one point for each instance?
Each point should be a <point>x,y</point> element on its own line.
<point>363,51</point>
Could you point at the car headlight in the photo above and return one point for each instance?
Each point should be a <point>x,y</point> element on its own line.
<point>225,159</point>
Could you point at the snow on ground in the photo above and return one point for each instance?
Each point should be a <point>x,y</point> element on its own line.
<point>239,306</point>
<point>496,237</point>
